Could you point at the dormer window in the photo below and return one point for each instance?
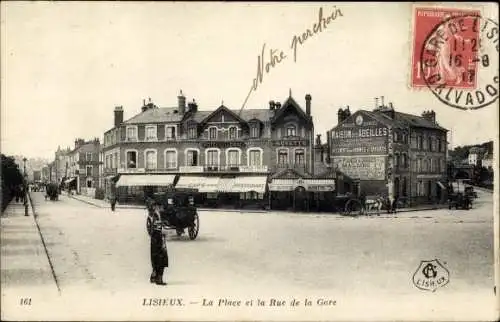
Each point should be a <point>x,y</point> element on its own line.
<point>254,131</point>
<point>291,130</point>
<point>170,132</point>
<point>212,132</point>
<point>233,132</point>
<point>192,133</point>
<point>151,133</point>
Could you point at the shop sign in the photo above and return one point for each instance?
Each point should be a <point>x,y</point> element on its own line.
<point>290,143</point>
<point>361,167</point>
<point>222,145</point>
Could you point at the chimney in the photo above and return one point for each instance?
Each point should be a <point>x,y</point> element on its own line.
<point>193,107</point>
<point>382,101</point>
<point>340,116</point>
<point>277,105</point>
<point>308,104</point>
<point>430,116</point>
<point>118,116</point>
<point>376,102</point>
<point>347,112</point>
<point>271,105</point>
<point>181,100</point>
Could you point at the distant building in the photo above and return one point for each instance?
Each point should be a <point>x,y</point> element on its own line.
<point>391,153</point>
<point>37,175</point>
<point>475,156</point>
<point>487,160</point>
<point>83,167</point>
<point>61,164</point>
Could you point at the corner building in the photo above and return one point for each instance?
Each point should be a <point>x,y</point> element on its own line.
<point>390,153</point>
<point>226,155</point>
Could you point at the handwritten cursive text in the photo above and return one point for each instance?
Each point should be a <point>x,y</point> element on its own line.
<point>317,28</point>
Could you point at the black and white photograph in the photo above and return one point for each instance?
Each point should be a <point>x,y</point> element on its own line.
<point>249,161</point>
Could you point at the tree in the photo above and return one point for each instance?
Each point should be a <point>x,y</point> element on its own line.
<point>11,178</point>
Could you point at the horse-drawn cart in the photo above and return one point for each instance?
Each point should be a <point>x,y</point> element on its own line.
<point>173,210</point>
<point>52,192</point>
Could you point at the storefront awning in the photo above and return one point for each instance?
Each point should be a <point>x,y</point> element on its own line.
<point>202,184</point>
<point>320,184</point>
<point>145,180</point>
<point>69,180</point>
<point>247,184</point>
<point>308,184</point>
<point>282,185</point>
<point>225,185</point>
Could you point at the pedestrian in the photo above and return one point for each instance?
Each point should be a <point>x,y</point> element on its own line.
<point>362,200</point>
<point>113,198</point>
<point>159,253</point>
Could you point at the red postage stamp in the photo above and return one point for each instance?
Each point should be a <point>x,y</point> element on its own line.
<point>456,63</point>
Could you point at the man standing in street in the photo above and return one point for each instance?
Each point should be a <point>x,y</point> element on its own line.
<point>159,254</point>
<point>112,197</point>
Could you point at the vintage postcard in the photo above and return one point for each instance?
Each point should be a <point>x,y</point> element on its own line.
<point>249,161</point>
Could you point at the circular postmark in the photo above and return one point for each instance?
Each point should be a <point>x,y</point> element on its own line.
<point>459,61</point>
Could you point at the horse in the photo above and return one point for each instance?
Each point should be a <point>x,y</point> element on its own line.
<point>374,203</point>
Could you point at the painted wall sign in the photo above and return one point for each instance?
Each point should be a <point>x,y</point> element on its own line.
<point>361,167</point>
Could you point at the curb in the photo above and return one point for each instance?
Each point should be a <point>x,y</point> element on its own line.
<point>32,206</point>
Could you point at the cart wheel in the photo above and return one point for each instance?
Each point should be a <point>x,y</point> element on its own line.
<point>193,230</point>
<point>352,206</point>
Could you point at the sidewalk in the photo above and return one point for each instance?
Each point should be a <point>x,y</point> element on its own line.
<point>105,204</point>
<point>24,264</point>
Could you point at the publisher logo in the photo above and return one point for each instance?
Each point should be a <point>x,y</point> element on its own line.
<point>431,275</point>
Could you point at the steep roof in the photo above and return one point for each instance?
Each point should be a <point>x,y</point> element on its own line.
<point>290,102</point>
<point>156,115</point>
<point>246,114</point>
<point>417,121</point>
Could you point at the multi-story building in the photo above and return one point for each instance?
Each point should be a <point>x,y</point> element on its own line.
<point>391,153</point>
<point>475,155</point>
<point>227,155</point>
<point>83,167</point>
<point>61,164</point>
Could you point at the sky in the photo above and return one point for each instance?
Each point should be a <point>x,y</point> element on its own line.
<point>65,66</point>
